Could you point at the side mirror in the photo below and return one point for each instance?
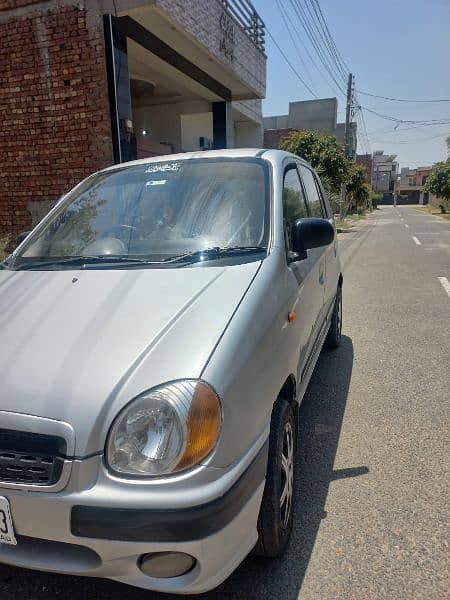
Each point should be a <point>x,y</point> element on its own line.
<point>22,236</point>
<point>311,233</point>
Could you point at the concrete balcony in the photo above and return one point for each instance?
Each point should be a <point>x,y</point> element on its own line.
<point>185,75</point>
<point>223,38</point>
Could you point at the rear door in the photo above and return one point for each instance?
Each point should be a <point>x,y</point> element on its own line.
<point>308,300</point>
<point>332,266</point>
<point>318,256</point>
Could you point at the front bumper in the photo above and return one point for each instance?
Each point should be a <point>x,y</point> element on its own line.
<point>100,528</point>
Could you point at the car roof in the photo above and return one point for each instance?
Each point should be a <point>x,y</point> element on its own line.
<point>268,154</point>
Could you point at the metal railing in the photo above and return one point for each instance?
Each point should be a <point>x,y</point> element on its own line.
<point>245,14</point>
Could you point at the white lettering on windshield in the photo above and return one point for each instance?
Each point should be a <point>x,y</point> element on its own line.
<point>171,166</point>
<point>156,182</point>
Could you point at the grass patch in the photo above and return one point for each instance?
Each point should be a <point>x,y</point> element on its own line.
<point>357,216</point>
<point>346,224</point>
<point>433,210</point>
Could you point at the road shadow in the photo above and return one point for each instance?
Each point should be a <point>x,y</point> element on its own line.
<point>321,418</point>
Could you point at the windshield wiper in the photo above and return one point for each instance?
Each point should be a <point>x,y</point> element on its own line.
<point>85,261</point>
<point>214,253</point>
<point>81,261</point>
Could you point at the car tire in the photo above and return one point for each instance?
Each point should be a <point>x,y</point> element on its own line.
<point>334,335</point>
<point>277,507</point>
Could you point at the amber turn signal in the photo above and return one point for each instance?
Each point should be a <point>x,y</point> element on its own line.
<point>203,426</point>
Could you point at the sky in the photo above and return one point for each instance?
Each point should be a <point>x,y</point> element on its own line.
<point>395,48</point>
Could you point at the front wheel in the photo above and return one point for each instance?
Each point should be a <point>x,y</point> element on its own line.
<point>277,507</point>
<point>334,335</point>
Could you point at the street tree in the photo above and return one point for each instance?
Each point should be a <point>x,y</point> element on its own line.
<point>358,191</point>
<point>328,157</point>
<point>438,182</point>
<point>324,153</point>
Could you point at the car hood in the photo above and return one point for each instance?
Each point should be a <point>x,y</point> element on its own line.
<point>76,346</point>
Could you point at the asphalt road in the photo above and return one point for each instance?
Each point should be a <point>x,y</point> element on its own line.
<point>372,496</point>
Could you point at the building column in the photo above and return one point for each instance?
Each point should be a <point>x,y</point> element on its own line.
<point>123,137</point>
<point>222,125</point>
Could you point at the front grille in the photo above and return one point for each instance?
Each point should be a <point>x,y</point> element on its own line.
<point>31,458</point>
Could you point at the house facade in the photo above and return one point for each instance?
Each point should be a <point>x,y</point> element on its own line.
<point>384,172</point>
<point>89,83</point>
<point>410,185</point>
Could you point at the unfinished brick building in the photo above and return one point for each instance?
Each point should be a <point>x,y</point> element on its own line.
<point>86,83</point>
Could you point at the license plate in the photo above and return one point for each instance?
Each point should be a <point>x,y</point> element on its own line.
<point>6,525</point>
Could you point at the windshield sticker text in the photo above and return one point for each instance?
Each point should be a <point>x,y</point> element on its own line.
<point>156,182</point>
<point>160,168</point>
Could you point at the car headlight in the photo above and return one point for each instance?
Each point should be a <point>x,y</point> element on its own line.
<point>165,430</point>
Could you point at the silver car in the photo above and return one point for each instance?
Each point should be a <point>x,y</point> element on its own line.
<point>158,331</point>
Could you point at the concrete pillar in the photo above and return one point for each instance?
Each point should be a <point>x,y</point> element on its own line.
<point>123,137</point>
<point>222,125</point>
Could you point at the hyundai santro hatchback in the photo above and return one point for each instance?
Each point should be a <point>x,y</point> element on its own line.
<point>158,331</point>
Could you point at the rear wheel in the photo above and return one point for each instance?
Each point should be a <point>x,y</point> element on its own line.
<point>277,507</point>
<point>333,339</point>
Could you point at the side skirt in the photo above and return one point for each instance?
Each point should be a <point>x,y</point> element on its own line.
<point>312,359</point>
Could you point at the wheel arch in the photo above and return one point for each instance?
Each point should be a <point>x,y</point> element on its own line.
<point>288,392</point>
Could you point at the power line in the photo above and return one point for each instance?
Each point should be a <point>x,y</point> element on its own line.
<point>362,140</point>
<point>285,18</point>
<point>346,67</point>
<point>434,137</point>
<point>402,99</point>
<point>315,44</point>
<point>305,47</point>
<point>294,70</point>
<point>442,121</point>
<point>397,128</point>
<point>364,130</point>
<point>316,22</point>
<point>321,48</point>
<point>336,55</point>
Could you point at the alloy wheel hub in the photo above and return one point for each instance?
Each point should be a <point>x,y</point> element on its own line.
<point>287,475</point>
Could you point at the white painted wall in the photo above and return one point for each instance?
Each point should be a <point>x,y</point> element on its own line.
<point>193,126</point>
<point>163,122</point>
<point>248,134</point>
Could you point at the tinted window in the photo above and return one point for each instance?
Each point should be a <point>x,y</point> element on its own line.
<point>293,202</point>
<point>312,193</point>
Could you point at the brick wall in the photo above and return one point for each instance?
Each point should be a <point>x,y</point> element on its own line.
<point>54,111</point>
<point>5,4</point>
<point>273,137</point>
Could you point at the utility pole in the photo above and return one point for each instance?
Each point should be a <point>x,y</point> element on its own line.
<point>348,111</point>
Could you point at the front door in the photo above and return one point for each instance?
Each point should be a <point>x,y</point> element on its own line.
<point>326,256</point>
<point>307,274</point>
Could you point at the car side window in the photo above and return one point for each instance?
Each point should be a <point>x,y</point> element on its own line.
<point>328,213</point>
<point>312,193</point>
<point>294,206</point>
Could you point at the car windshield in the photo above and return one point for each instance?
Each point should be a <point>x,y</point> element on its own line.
<point>156,212</point>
